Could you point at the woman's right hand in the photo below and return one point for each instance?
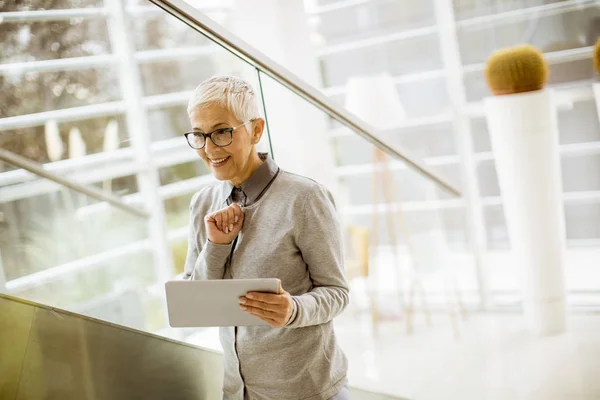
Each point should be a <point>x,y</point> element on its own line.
<point>223,226</point>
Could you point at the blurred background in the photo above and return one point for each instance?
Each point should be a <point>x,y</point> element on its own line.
<point>436,301</point>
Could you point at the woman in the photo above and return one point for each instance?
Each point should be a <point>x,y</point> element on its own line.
<point>262,222</point>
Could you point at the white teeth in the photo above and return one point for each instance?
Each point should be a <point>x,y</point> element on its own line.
<point>218,161</point>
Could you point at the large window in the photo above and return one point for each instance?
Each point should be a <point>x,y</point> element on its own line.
<point>405,39</point>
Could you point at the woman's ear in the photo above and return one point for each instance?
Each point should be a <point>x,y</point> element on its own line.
<point>258,128</point>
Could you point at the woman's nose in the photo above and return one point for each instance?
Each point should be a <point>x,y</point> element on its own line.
<point>209,146</point>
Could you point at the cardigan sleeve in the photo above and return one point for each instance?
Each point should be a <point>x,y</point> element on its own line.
<point>320,242</point>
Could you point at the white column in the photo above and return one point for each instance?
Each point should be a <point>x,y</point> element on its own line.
<point>524,132</point>
<point>139,130</point>
<point>476,231</point>
<point>298,130</point>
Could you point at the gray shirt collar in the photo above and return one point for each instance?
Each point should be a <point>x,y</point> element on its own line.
<point>258,182</point>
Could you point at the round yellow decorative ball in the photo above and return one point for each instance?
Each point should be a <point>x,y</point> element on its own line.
<point>516,69</point>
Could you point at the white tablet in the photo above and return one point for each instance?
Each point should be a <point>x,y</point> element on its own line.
<point>214,302</point>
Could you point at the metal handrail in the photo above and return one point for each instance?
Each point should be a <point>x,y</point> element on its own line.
<point>230,42</point>
<point>35,168</point>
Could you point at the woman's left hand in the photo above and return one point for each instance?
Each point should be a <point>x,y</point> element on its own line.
<point>275,309</point>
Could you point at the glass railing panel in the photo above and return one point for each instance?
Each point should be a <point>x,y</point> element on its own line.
<point>70,250</point>
<point>415,235</point>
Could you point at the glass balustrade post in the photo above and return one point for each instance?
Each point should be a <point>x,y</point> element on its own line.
<point>264,106</point>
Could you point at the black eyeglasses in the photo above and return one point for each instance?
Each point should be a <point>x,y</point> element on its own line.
<point>220,137</point>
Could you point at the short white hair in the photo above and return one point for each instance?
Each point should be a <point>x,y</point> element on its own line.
<point>229,92</point>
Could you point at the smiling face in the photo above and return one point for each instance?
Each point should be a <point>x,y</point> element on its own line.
<point>238,161</point>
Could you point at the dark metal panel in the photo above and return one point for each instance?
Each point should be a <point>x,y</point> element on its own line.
<point>75,357</point>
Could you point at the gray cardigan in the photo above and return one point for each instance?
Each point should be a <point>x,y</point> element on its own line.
<point>290,233</point>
